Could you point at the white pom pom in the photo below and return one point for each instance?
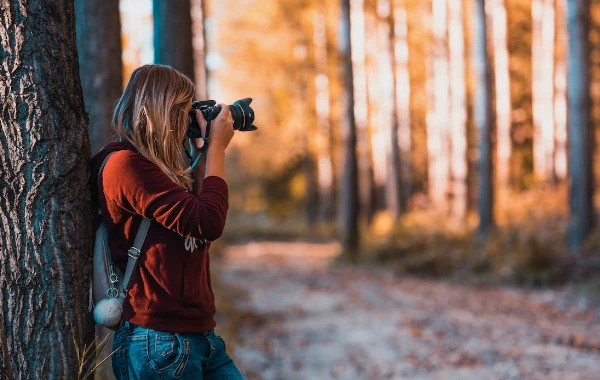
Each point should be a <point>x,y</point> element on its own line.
<point>108,311</point>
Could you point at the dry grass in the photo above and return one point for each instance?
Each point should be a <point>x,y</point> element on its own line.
<point>527,247</point>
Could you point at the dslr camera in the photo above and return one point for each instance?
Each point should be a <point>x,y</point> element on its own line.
<point>241,113</point>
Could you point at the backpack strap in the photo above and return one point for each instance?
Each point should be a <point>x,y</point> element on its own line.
<point>134,254</point>
<point>135,250</point>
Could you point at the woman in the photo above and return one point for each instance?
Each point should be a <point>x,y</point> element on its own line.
<point>167,330</point>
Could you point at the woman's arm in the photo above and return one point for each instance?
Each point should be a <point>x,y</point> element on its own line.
<point>199,174</point>
<point>221,132</point>
<point>133,183</point>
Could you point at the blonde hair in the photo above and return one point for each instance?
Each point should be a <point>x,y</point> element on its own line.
<point>151,116</point>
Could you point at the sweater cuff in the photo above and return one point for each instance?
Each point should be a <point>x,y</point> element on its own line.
<point>216,183</point>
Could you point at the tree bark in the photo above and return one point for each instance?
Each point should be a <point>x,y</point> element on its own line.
<point>579,124</point>
<point>348,195</point>
<point>100,65</point>
<point>483,117</point>
<point>173,35</point>
<point>45,208</point>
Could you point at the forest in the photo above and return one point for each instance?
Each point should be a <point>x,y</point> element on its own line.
<point>418,201</point>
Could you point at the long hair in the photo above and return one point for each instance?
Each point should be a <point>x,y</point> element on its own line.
<point>150,115</point>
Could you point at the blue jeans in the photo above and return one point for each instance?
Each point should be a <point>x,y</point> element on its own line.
<point>149,354</point>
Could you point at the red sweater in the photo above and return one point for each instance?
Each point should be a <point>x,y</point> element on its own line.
<point>171,289</point>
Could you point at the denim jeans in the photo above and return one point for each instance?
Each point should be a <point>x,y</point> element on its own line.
<point>149,354</point>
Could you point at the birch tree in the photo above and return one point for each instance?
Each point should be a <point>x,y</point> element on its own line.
<point>45,209</point>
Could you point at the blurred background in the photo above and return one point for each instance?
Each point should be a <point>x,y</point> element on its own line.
<point>418,201</point>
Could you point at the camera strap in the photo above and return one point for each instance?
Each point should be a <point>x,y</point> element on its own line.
<point>194,162</point>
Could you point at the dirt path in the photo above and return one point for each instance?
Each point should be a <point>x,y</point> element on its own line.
<point>305,319</point>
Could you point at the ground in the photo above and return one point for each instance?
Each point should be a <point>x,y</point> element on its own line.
<point>301,317</point>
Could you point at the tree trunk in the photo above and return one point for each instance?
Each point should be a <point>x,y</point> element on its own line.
<point>503,100</point>
<point>45,208</point>
<point>483,118</point>
<point>349,198</point>
<point>378,70</point>
<point>438,142</point>
<point>198,14</point>
<point>560,93</point>
<point>579,123</point>
<point>394,33</point>
<point>322,108</point>
<point>458,112</point>
<point>542,47</point>
<point>173,35</point>
<point>403,91</point>
<point>365,168</point>
<point>100,65</point>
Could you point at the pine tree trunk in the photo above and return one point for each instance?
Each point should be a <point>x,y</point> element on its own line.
<point>579,123</point>
<point>503,100</point>
<point>542,12</point>
<point>394,33</point>
<point>45,207</point>
<point>361,112</point>
<point>483,117</point>
<point>458,112</point>
<point>548,70</point>
<point>100,65</point>
<point>173,35</point>
<point>348,194</point>
<point>403,91</point>
<point>322,108</point>
<point>198,14</point>
<point>438,142</point>
<point>560,92</point>
<point>379,101</point>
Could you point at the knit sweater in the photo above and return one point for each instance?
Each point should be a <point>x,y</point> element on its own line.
<point>171,288</point>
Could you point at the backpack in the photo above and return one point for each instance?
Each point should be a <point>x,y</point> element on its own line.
<point>109,286</point>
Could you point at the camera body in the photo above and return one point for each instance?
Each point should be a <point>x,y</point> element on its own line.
<point>241,113</point>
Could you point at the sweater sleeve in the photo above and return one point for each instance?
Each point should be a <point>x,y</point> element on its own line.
<point>137,185</point>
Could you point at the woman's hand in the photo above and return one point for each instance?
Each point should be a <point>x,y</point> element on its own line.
<point>197,143</point>
<point>221,129</point>
<point>221,132</point>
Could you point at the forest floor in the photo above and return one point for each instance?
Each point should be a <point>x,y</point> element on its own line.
<point>297,316</point>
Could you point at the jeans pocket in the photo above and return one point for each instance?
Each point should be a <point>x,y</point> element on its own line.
<point>164,344</point>
<point>165,351</point>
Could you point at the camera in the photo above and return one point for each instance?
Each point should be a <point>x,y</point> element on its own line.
<point>241,113</point>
